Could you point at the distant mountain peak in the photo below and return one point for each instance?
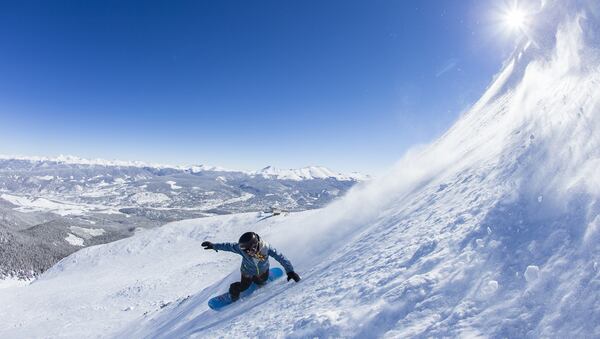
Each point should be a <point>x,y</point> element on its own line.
<point>75,160</point>
<point>271,172</point>
<point>308,173</point>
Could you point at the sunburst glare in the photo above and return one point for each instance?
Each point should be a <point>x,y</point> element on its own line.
<point>515,18</point>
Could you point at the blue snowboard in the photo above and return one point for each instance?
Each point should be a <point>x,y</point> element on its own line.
<point>220,301</point>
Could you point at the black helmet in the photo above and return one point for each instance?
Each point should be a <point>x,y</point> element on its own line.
<point>249,242</point>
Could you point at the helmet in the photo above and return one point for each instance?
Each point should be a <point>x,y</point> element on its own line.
<point>249,242</point>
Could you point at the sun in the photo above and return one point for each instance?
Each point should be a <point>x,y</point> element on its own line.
<point>515,19</point>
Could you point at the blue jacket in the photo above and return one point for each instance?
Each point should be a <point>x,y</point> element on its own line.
<point>259,263</point>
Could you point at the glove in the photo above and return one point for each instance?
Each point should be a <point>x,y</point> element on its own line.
<point>293,275</point>
<point>208,245</point>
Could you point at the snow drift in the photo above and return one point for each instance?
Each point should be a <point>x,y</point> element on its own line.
<point>490,231</point>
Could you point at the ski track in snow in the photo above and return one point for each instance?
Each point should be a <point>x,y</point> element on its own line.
<point>491,231</point>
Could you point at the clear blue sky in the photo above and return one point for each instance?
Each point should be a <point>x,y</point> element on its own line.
<point>243,84</point>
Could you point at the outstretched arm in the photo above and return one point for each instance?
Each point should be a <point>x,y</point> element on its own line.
<point>226,246</point>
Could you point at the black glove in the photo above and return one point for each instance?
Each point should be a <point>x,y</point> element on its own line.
<point>208,245</point>
<point>293,275</point>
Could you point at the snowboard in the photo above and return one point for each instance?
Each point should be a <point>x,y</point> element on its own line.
<point>220,301</point>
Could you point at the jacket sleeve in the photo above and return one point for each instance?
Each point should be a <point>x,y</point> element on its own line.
<point>226,246</point>
<point>281,259</point>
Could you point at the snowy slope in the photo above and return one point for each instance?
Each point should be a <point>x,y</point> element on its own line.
<point>491,231</point>
<point>99,289</point>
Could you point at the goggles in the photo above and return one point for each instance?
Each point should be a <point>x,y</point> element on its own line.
<point>252,249</point>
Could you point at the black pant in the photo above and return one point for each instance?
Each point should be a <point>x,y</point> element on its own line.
<point>237,287</point>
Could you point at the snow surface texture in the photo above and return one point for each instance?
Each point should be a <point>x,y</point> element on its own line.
<point>12,282</point>
<point>491,231</point>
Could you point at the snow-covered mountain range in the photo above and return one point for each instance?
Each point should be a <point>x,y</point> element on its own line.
<point>306,173</point>
<point>52,207</point>
<point>492,231</point>
<point>74,186</point>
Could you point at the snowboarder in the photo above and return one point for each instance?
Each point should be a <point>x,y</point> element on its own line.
<point>255,262</point>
